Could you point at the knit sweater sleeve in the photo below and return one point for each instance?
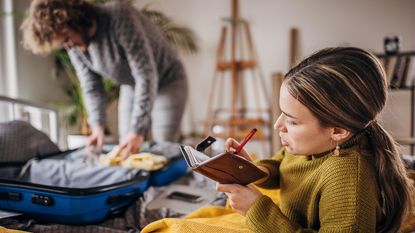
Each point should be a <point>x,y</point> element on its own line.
<point>265,216</point>
<point>273,166</point>
<point>347,203</point>
<point>92,89</point>
<point>131,36</point>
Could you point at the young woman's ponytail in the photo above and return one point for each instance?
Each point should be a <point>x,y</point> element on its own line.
<point>396,197</point>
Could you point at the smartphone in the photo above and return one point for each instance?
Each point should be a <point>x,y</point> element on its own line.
<point>187,197</point>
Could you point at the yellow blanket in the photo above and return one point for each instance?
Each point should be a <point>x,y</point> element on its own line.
<point>208,219</point>
<point>5,230</point>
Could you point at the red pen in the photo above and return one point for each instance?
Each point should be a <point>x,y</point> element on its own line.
<point>253,131</point>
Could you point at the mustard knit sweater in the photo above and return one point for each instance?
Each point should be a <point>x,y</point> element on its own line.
<point>321,193</point>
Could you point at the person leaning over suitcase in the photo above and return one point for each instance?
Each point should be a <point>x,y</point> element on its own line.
<point>116,41</point>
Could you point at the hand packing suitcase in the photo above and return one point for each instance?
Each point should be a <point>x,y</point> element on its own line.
<point>176,167</point>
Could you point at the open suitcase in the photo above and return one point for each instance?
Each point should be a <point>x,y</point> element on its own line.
<point>62,204</point>
<point>66,205</point>
<point>51,203</point>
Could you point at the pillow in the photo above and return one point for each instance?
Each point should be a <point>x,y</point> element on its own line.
<point>20,141</point>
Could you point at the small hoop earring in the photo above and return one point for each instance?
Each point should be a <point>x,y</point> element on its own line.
<point>337,150</point>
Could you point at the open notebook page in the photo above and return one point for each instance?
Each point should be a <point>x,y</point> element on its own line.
<point>195,157</point>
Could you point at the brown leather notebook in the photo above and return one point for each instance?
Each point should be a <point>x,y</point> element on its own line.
<point>225,168</point>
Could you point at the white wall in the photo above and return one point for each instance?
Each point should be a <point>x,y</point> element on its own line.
<point>8,50</point>
<point>2,81</point>
<point>36,79</point>
<point>321,23</point>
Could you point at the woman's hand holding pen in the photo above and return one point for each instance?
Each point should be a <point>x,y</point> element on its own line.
<point>231,145</point>
<point>241,198</point>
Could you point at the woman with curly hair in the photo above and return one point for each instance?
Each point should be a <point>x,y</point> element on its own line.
<point>115,40</point>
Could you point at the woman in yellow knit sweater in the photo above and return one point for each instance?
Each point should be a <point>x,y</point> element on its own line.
<point>339,170</point>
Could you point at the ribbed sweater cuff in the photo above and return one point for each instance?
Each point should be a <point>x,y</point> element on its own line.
<point>265,216</point>
<point>273,178</point>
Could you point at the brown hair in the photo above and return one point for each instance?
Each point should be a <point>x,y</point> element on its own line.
<point>48,19</point>
<point>346,87</point>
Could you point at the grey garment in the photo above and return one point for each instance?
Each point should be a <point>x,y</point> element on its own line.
<point>20,141</point>
<point>77,171</point>
<point>128,49</point>
<point>167,113</point>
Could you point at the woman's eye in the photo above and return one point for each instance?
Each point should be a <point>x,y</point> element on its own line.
<point>290,122</point>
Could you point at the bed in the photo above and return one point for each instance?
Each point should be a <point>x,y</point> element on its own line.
<point>135,216</point>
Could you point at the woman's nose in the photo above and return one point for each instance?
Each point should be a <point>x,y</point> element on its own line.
<point>279,124</point>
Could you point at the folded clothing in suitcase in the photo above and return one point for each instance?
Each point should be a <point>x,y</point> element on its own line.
<point>176,166</point>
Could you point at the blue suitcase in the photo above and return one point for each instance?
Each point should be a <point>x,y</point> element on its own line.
<point>176,168</point>
<point>72,206</point>
<point>81,205</point>
<point>67,205</point>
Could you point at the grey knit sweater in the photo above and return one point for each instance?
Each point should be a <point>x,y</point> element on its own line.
<point>128,49</point>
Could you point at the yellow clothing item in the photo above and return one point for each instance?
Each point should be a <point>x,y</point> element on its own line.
<point>212,219</point>
<point>208,219</point>
<point>5,230</point>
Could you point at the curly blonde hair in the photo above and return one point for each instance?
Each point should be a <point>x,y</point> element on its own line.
<point>48,19</point>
